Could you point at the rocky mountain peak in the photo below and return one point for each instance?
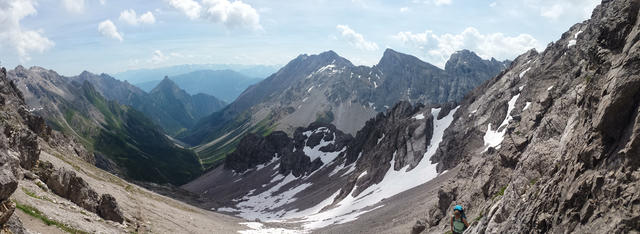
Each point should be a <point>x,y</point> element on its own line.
<point>86,73</point>
<point>392,58</point>
<point>166,85</point>
<point>463,57</point>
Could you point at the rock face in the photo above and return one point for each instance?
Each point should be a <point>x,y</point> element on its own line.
<point>300,156</point>
<point>67,184</point>
<point>329,88</point>
<point>19,148</point>
<point>551,144</point>
<point>109,210</point>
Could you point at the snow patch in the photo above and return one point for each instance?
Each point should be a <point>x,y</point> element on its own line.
<point>550,88</point>
<point>328,67</point>
<point>526,106</point>
<point>419,116</point>
<point>258,228</point>
<point>524,72</point>
<point>380,139</point>
<point>573,41</point>
<point>394,182</point>
<point>493,138</point>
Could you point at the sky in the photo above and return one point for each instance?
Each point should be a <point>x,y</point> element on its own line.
<point>109,36</point>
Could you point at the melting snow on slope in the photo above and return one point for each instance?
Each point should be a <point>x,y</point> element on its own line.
<point>260,205</point>
<point>328,67</point>
<point>573,41</point>
<point>380,139</point>
<point>313,153</point>
<point>493,138</point>
<point>394,182</point>
<point>524,72</point>
<point>258,228</point>
<point>263,205</point>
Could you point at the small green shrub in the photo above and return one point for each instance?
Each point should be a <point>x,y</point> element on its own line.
<point>501,192</point>
<point>32,194</point>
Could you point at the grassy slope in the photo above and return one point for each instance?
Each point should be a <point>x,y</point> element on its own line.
<point>130,139</point>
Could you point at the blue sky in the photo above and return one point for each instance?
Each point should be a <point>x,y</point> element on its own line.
<point>110,36</point>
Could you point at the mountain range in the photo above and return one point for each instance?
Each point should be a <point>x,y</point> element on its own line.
<point>329,88</point>
<point>123,140</point>
<point>167,105</point>
<point>550,145</point>
<point>145,75</point>
<point>224,84</point>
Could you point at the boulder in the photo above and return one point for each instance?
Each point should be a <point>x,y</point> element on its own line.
<point>29,149</point>
<point>8,183</point>
<point>6,211</point>
<point>419,227</point>
<point>82,194</point>
<point>108,209</point>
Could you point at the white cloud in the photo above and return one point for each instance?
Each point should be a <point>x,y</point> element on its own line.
<point>75,6</point>
<point>553,9</point>
<point>188,7</point>
<point>356,39</point>
<point>107,28</point>
<point>159,57</point>
<point>132,18</point>
<point>442,2</point>
<point>103,2</point>
<point>438,48</point>
<point>13,36</point>
<point>232,14</point>
<point>404,9</point>
<point>552,12</point>
<point>236,14</point>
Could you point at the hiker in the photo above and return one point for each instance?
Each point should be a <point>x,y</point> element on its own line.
<point>458,220</point>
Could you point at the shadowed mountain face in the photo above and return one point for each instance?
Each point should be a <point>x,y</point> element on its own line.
<point>224,84</point>
<point>330,89</point>
<point>167,105</point>
<point>124,140</point>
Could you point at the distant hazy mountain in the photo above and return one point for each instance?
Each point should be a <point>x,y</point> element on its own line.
<point>144,75</point>
<point>167,105</point>
<point>329,88</point>
<point>224,84</point>
<point>124,135</point>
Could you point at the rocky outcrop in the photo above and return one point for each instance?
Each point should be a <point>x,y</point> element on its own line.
<point>109,210</point>
<point>400,136</point>
<point>18,144</point>
<point>67,184</point>
<point>551,145</point>
<point>294,155</point>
